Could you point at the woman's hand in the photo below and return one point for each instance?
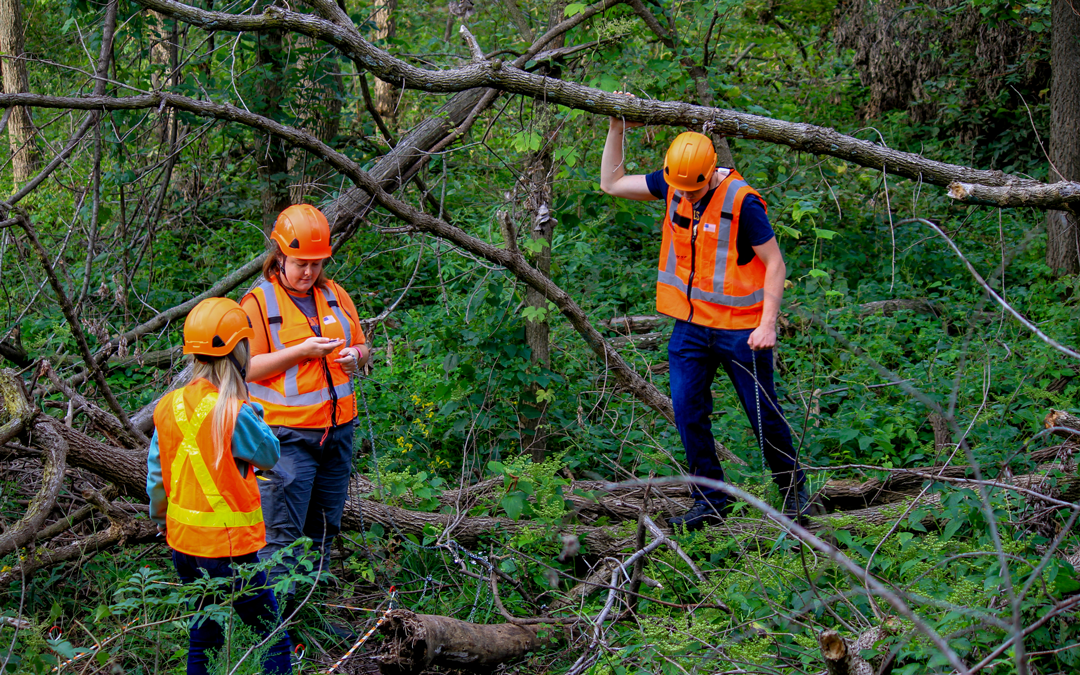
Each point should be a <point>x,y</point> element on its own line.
<point>351,359</point>
<point>318,347</point>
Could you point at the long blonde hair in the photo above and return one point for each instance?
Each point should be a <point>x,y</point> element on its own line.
<point>232,393</point>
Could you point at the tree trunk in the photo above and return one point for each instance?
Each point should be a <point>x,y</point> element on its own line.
<point>539,208</point>
<point>1063,228</point>
<point>163,61</point>
<point>321,93</point>
<point>272,159</point>
<point>25,159</point>
<point>413,643</point>
<point>386,93</point>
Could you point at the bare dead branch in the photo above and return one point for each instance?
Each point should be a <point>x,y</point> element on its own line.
<point>510,78</point>
<point>54,457</point>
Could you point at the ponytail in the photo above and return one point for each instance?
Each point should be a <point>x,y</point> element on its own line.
<point>232,393</point>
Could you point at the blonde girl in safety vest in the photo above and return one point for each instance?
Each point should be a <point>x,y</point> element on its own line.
<point>208,440</point>
<point>308,344</point>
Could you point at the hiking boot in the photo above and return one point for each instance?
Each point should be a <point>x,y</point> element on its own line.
<point>700,515</point>
<point>797,505</point>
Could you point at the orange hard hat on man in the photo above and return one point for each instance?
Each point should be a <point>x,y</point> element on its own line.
<point>303,232</point>
<point>690,161</point>
<point>215,327</point>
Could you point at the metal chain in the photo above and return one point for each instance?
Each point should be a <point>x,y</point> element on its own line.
<point>757,403</point>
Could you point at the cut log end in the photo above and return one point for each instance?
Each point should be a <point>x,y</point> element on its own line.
<point>833,647</point>
<point>1062,420</point>
<point>959,190</point>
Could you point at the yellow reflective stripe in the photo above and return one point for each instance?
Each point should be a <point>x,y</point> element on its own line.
<point>204,519</point>
<point>222,515</point>
<point>189,446</point>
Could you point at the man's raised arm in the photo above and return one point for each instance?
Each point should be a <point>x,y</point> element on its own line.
<point>613,178</point>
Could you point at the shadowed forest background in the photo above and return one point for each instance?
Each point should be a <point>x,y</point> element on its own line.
<point>920,166</point>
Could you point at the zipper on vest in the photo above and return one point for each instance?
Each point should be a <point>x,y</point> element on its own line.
<point>325,364</point>
<point>694,219</point>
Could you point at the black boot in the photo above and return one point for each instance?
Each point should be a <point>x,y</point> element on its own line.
<point>700,515</point>
<point>797,504</point>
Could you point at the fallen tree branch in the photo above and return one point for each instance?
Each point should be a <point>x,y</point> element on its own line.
<point>119,533</point>
<point>98,501</point>
<point>1063,424</point>
<point>54,456</point>
<point>106,423</point>
<point>512,79</point>
<point>77,329</point>
<point>16,413</point>
<point>413,643</point>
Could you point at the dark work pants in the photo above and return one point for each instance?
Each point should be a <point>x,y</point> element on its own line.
<point>256,607</point>
<point>695,353</point>
<point>305,493</point>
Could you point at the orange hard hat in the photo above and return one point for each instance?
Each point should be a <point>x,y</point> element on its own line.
<point>303,232</point>
<point>690,161</point>
<point>215,327</point>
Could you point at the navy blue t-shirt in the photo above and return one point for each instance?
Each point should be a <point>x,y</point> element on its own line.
<point>754,227</point>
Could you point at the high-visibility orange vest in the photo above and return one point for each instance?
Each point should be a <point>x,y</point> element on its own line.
<point>301,396</point>
<point>700,279</point>
<point>213,512</point>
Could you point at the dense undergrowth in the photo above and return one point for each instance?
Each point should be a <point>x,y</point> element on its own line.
<point>442,406</point>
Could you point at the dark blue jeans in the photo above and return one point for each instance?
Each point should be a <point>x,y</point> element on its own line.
<point>305,493</point>
<point>257,608</point>
<point>694,355</point>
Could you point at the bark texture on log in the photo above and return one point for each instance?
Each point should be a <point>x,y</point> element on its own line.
<point>54,456</point>
<point>843,657</point>
<point>412,643</point>
<point>1060,418</point>
<point>15,410</point>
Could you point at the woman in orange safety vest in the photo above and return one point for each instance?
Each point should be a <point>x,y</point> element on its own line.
<point>308,344</point>
<point>208,439</point>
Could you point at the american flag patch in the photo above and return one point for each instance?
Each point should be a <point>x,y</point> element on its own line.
<point>710,227</point>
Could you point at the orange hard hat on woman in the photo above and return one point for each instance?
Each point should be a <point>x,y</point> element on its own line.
<point>690,161</point>
<point>215,327</point>
<point>303,232</point>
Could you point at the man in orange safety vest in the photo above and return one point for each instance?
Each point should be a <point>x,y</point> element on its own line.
<point>721,277</point>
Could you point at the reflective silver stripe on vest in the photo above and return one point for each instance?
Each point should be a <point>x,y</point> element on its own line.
<point>298,400</point>
<point>273,311</point>
<point>668,276</point>
<point>291,383</point>
<point>673,208</point>
<point>292,380</point>
<point>339,313</point>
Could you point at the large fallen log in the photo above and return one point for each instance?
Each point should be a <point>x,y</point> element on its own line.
<point>1064,424</point>
<point>126,469</point>
<point>413,643</point>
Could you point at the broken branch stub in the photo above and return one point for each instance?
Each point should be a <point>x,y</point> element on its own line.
<point>840,658</point>
<point>412,643</point>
